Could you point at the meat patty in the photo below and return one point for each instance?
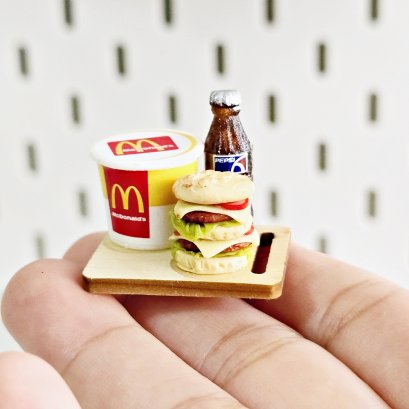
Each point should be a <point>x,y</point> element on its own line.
<point>189,246</point>
<point>205,217</point>
<point>236,247</point>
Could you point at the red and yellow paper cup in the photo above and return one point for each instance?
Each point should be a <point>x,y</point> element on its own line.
<point>137,171</point>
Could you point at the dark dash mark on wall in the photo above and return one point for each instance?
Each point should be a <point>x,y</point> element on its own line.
<point>274,203</point>
<point>322,58</point>
<point>168,11</point>
<point>173,117</point>
<point>68,12</point>
<point>374,9</point>
<point>322,156</point>
<point>323,244</point>
<point>23,61</point>
<point>121,60</point>
<point>272,108</point>
<point>373,107</point>
<point>83,203</point>
<point>372,206</point>
<point>270,11</point>
<point>39,245</point>
<point>75,109</point>
<point>32,157</point>
<point>220,59</point>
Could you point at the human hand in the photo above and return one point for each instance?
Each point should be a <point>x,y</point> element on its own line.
<point>337,338</point>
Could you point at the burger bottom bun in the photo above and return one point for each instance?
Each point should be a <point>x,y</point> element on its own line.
<point>215,265</point>
<point>229,233</point>
<point>210,187</point>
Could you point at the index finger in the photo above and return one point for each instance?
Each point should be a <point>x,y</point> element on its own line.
<point>106,358</point>
<point>355,315</point>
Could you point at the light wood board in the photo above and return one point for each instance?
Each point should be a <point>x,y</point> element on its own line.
<point>116,270</point>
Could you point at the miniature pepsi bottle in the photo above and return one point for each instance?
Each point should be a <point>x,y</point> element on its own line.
<point>227,147</point>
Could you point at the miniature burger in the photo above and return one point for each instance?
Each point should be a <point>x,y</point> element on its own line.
<point>212,221</point>
<point>137,171</point>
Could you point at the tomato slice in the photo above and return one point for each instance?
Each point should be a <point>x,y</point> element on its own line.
<point>250,231</point>
<point>239,205</point>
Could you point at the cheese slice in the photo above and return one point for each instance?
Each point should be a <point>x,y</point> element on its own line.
<point>210,248</point>
<point>242,216</point>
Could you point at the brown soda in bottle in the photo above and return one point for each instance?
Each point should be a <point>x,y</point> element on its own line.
<point>227,147</point>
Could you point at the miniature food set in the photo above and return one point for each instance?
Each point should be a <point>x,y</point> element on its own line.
<point>173,231</point>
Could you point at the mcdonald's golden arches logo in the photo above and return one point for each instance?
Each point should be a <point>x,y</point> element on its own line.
<point>147,145</point>
<point>119,150</point>
<point>125,197</point>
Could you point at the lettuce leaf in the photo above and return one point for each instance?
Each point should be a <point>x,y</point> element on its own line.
<point>195,231</point>
<point>248,251</point>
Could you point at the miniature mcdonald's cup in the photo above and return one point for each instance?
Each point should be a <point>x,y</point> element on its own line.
<point>137,171</point>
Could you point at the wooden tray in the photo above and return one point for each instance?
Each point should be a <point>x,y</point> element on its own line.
<point>116,270</point>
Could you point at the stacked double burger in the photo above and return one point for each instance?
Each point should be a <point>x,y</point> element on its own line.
<point>212,221</point>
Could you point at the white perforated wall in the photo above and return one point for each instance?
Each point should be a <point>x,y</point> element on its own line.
<point>325,91</point>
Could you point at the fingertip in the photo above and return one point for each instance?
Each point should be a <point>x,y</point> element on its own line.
<point>31,284</point>
<point>14,363</point>
<point>26,281</point>
<point>47,311</point>
<point>43,386</point>
<point>17,286</point>
<point>81,251</point>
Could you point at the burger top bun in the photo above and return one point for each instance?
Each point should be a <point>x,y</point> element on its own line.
<point>211,187</point>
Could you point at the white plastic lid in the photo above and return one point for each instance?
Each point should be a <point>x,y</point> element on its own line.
<point>147,150</point>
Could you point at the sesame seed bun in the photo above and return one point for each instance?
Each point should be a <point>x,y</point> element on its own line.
<point>211,187</point>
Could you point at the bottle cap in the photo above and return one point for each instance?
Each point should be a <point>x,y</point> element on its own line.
<point>225,98</point>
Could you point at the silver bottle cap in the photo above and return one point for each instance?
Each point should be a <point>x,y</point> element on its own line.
<point>225,98</point>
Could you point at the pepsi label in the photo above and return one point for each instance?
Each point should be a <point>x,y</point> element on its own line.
<point>231,163</point>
